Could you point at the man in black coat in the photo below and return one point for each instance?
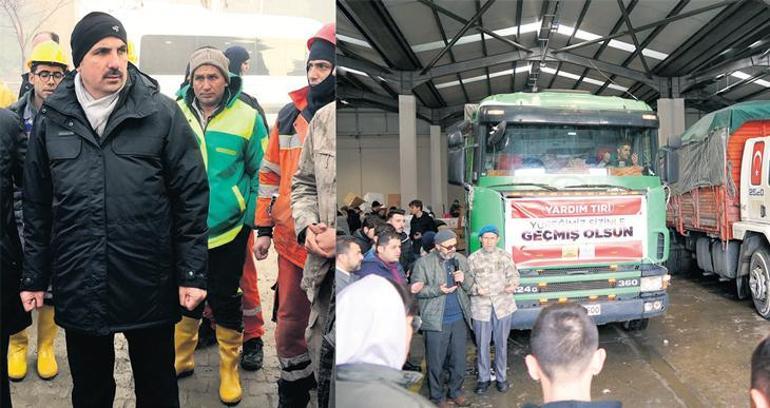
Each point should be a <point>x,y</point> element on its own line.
<point>115,207</point>
<point>13,318</point>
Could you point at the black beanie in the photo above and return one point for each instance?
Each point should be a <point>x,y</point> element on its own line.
<point>90,30</point>
<point>237,56</point>
<point>321,50</point>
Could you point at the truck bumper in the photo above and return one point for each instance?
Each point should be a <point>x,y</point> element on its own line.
<point>614,311</point>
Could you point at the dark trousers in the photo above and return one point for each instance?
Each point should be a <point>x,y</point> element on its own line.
<point>225,270</point>
<point>5,387</point>
<point>326,363</point>
<point>92,363</point>
<point>448,344</point>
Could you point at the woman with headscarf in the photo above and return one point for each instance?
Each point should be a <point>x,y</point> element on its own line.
<point>375,322</point>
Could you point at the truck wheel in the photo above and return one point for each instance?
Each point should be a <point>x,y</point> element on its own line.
<point>759,281</point>
<point>636,325</point>
<point>679,262</point>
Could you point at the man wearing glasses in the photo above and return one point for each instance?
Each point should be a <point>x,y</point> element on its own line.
<point>442,281</point>
<point>47,67</point>
<point>492,305</point>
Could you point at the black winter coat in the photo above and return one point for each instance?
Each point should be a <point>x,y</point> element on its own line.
<point>13,318</point>
<point>117,223</point>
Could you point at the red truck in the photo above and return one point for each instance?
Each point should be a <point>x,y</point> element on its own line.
<point>717,211</point>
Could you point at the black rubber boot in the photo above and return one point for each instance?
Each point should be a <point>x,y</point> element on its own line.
<point>295,394</point>
<point>252,357</point>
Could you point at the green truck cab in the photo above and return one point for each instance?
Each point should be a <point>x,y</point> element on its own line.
<point>569,180</point>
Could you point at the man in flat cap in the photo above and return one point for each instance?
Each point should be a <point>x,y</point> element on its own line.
<point>115,208</point>
<point>442,281</point>
<point>230,134</point>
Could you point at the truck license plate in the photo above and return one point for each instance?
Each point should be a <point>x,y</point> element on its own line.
<point>593,310</point>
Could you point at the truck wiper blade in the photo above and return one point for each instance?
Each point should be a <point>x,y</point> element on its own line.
<point>599,186</point>
<point>540,185</point>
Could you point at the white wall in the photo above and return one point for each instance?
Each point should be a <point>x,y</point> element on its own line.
<point>368,156</point>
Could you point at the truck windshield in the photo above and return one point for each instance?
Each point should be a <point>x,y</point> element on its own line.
<point>543,148</point>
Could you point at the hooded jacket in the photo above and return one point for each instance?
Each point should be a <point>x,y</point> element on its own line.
<point>116,223</point>
<point>372,347</point>
<point>232,147</point>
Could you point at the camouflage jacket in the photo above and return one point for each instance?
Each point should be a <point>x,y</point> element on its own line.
<point>314,190</point>
<point>493,271</point>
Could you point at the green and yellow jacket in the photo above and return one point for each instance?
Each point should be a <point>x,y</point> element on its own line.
<point>232,143</point>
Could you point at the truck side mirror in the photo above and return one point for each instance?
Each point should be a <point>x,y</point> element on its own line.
<point>672,166</point>
<point>455,138</point>
<point>456,161</point>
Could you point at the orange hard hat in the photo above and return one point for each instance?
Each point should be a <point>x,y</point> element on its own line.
<point>326,32</point>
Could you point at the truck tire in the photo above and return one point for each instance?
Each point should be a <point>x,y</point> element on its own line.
<point>679,262</point>
<point>636,325</point>
<point>759,281</point>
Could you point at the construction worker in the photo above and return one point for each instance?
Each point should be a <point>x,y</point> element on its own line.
<point>275,179</point>
<point>47,67</point>
<point>230,134</point>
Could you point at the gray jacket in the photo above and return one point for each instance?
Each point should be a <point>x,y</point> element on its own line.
<point>429,269</point>
<point>374,386</point>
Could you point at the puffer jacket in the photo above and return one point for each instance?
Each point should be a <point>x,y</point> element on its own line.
<point>116,223</point>
<point>378,386</point>
<point>430,271</point>
<point>13,316</point>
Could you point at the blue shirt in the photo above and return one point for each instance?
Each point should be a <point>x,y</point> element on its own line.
<point>452,310</point>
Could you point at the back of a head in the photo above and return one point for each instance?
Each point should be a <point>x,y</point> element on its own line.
<point>760,368</point>
<point>563,339</point>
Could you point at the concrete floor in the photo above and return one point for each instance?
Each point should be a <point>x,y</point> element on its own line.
<point>697,355</point>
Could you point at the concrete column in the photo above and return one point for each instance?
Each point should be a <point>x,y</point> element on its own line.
<point>671,118</point>
<point>437,168</point>
<point>407,145</point>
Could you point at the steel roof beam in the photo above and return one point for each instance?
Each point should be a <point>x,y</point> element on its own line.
<point>646,26</point>
<point>477,27</point>
<point>633,36</point>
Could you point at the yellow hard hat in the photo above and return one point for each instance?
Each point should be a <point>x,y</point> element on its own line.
<point>132,57</point>
<point>47,52</point>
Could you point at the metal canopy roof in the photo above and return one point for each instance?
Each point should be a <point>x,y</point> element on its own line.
<point>447,53</point>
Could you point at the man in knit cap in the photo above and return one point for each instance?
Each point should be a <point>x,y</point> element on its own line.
<point>115,208</point>
<point>492,305</point>
<point>442,281</point>
<point>230,134</point>
<point>274,221</point>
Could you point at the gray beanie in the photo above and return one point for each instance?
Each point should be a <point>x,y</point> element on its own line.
<point>209,56</point>
<point>444,236</point>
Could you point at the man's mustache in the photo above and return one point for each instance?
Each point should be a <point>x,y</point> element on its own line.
<point>114,72</point>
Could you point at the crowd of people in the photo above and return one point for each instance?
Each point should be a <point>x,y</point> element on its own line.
<point>392,285</point>
<point>125,211</point>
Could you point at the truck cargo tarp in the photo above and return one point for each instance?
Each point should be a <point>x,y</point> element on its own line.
<point>702,154</point>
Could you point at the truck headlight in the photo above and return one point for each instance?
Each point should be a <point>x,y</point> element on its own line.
<point>651,283</point>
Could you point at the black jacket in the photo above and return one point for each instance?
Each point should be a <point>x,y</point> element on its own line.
<point>25,84</point>
<point>421,225</point>
<point>117,223</point>
<point>13,316</point>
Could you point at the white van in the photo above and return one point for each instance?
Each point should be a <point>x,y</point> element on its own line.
<point>165,35</point>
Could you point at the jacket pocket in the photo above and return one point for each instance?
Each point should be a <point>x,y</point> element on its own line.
<point>133,145</point>
<point>239,198</point>
<point>64,147</point>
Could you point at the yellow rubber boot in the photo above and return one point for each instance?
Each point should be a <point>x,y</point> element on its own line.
<point>185,341</point>
<point>46,334</point>
<point>229,380</point>
<point>17,356</point>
